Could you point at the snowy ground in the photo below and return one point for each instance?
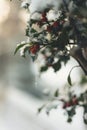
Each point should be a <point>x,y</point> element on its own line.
<point>18,112</point>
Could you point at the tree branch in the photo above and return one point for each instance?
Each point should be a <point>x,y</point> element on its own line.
<point>76,53</point>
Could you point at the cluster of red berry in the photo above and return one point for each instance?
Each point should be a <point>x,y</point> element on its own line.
<point>43,19</point>
<point>72,102</point>
<point>34,49</point>
<point>53,27</point>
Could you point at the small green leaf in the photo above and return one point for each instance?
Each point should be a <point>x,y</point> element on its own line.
<point>69,80</point>
<point>40,109</point>
<point>18,47</point>
<point>71,112</point>
<point>43,68</point>
<point>33,30</point>
<point>26,49</point>
<point>56,94</point>
<point>85,121</point>
<point>69,120</point>
<point>57,66</point>
<point>34,57</point>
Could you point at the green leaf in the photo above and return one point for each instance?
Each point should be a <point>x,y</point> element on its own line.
<point>40,109</point>
<point>25,50</point>
<point>27,32</point>
<point>33,30</point>
<point>36,35</point>
<point>57,66</point>
<point>34,57</point>
<point>43,68</point>
<point>64,59</point>
<point>18,47</point>
<point>69,120</point>
<point>56,94</point>
<point>69,80</point>
<point>85,121</point>
<point>83,80</point>
<point>71,112</point>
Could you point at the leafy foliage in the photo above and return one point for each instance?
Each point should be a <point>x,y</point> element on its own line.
<point>54,39</point>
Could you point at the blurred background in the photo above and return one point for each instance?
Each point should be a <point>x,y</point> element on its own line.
<point>22,89</point>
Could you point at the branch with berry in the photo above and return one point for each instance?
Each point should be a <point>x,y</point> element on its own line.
<point>58,34</point>
<point>64,36</point>
<point>69,105</point>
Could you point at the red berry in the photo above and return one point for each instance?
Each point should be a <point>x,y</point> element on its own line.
<point>39,23</point>
<point>64,106</point>
<point>44,14</point>
<point>44,19</point>
<point>68,104</point>
<point>49,28</point>
<point>74,101</point>
<point>49,65</point>
<point>34,49</point>
<point>55,24</point>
